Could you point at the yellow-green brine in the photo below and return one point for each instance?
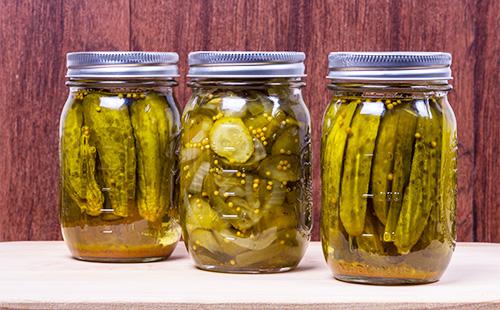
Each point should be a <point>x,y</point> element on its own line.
<point>245,172</point>
<point>388,168</point>
<point>118,165</point>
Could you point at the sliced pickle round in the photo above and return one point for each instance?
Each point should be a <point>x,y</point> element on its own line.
<point>230,138</point>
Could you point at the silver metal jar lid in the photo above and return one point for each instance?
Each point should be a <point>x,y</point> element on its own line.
<point>122,65</point>
<point>240,64</point>
<point>389,66</point>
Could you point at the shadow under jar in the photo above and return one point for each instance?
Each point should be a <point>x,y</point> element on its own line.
<point>118,140</point>
<point>388,156</point>
<point>245,185</point>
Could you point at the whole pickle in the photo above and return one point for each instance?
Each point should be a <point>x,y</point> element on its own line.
<point>78,166</point>
<point>111,131</point>
<point>152,134</point>
<point>72,164</point>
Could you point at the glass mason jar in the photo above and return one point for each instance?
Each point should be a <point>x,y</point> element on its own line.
<point>245,171</point>
<point>388,156</point>
<point>118,140</point>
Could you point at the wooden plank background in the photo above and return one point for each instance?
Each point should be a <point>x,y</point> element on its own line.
<point>35,36</point>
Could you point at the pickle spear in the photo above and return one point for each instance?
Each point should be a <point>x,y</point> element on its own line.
<point>151,131</point>
<point>420,193</point>
<point>432,230</point>
<point>448,174</point>
<point>402,164</point>
<point>79,163</point>
<point>370,241</point>
<point>109,127</point>
<point>357,167</point>
<point>338,118</point>
<point>381,179</point>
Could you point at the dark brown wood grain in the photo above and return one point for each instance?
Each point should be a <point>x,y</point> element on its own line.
<point>35,35</point>
<point>35,38</point>
<point>30,88</point>
<point>486,172</point>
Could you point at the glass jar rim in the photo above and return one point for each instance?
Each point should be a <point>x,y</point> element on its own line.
<point>399,86</point>
<point>120,83</point>
<point>194,82</point>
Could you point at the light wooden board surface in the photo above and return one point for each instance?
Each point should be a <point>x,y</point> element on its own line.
<point>43,275</point>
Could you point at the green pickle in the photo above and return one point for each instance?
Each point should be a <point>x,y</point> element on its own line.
<point>79,164</point>
<point>357,166</point>
<point>118,170</point>
<point>243,184</point>
<point>402,156</point>
<point>152,131</point>
<point>111,133</point>
<point>388,185</point>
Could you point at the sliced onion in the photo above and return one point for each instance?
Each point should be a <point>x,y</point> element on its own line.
<point>189,154</point>
<point>199,177</point>
<point>277,196</point>
<point>262,241</point>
